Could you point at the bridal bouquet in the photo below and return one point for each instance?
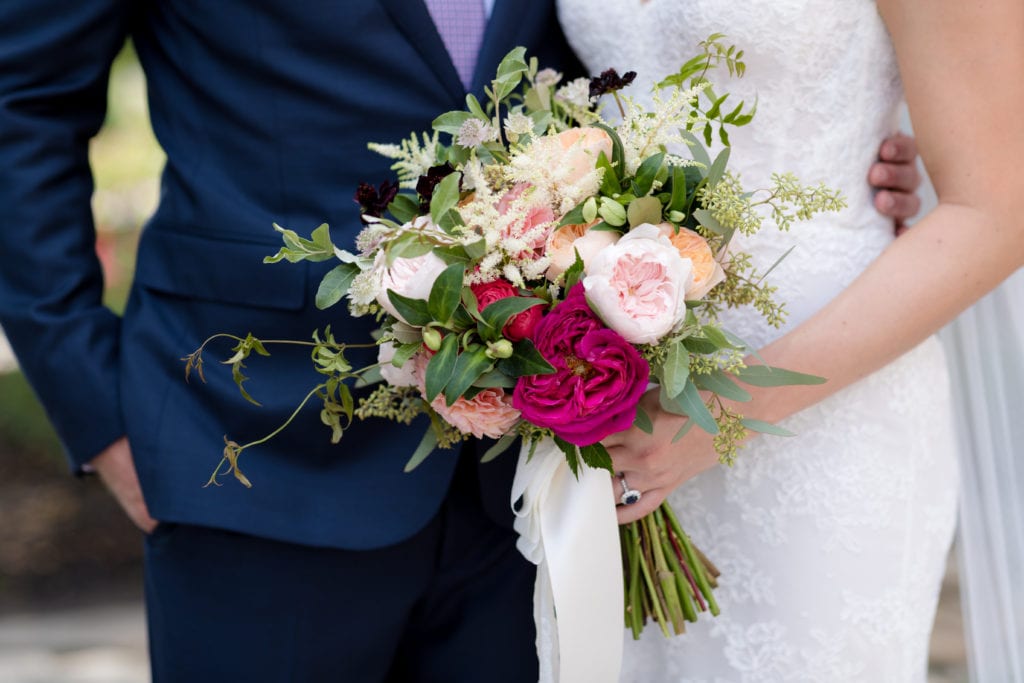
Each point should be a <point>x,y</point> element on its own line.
<point>541,268</point>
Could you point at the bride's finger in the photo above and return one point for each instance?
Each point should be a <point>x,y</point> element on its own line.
<point>648,502</point>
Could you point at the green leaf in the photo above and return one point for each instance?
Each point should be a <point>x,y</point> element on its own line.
<point>440,367</point>
<point>413,311</point>
<point>610,183</point>
<point>574,272</point>
<point>693,406</point>
<point>446,293</point>
<point>699,346</point>
<point>717,169</point>
<point>335,284</point>
<point>719,383</point>
<point>574,217</point>
<point>571,455</point>
<point>679,189</point>
<point>644,210</point>
<point>295,249</point>
<point>404,352</point>
<point>495,378</point>
<point>525,360</point>
<point>499,447</point>
<point>675,371</point>
<point>705,218</point>
<point>496,314</point>
<point>618,154</point>
<point>408,245</point>
<point>646,174</point>
<point>765,427</point>
<point>683,431</point>
<point>450,122</point>
<point>697,150</point>
<point>470,364</point>
<point>404,208</point>
<point>642,421</point>
<point>445,197</point>
<point>427,445</point>
<point>596,456</point>
<point>715,335</point>
<point>768,376</point>
<point>513,62</point>
<point>473,105</point>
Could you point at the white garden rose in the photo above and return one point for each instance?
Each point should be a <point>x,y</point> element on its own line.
<point>410,277</point>
<point>404,376</point>
<point>638,285</point>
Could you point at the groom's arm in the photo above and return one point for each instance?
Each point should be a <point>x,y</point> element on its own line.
<point>54,63</point>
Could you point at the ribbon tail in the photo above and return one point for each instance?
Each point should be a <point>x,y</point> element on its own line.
<point>569,529</point>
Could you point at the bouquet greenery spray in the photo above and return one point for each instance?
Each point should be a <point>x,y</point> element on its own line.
<point>541,268</point>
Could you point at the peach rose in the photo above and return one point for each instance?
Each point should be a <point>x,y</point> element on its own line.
<point>577,150</point>
<point>707,272</point>
<point>638,285</point>
<point>489,413</point>
<point>568,239</point>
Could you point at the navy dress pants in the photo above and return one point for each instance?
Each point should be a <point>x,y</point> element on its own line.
<point>452,604</point>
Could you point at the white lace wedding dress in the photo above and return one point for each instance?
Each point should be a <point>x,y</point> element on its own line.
<point>832,543</point>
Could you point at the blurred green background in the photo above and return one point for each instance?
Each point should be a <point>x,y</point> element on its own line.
<point>63,540</point>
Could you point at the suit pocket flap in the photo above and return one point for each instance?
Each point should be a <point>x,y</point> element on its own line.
<point>219,269</point>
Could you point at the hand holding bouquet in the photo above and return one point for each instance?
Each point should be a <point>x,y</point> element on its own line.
<point>541,270</point>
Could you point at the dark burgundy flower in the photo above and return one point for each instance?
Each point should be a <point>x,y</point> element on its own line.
<point>610,81</point>
<point>426,184</point>
<point>374,201</point>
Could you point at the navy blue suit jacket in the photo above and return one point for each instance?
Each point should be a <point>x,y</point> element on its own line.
<point>264,109</point>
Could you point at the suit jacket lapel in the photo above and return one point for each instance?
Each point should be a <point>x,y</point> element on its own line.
<point>414,22</point>
<point>512,23</point>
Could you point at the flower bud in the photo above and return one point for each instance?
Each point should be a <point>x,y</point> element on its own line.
<point>676,216</point>
<point>431,338</point>
<point>590,210</point>
<point>499,349</point>
<point>612,212</point>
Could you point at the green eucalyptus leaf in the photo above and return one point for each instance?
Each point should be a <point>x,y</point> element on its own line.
<point>717,169</point>
<point>642,421</point>
<point>767,376</point>
<point>717,382</point>
<point>693,407</point>
<point>644,210</point>
<point>711,223</point>
<point>675,370</point>
<point>697,149</point>
<point>499,447</point>
<point>715,335</point>
<point>427,445</point>
<point>765,427</point>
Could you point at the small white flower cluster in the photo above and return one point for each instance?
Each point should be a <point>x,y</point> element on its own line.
<point>413,157</point>
<point>647,131</point>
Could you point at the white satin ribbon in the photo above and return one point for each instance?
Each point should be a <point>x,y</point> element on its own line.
<point>568,528</point>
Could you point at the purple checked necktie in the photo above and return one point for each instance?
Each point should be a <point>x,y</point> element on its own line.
<point>461,24</point>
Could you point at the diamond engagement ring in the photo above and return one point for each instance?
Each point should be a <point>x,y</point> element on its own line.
<point>629,496</point>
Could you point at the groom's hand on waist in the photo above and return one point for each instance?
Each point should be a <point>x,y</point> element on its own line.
<point>117,471</point>
<point>896,179</point>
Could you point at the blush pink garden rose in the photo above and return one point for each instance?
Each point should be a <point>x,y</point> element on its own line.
<point>599,377</point>
<point>520,325</point>
<point>488,414</point>
<point>568,239</point>
<point>576,150</point>
<point>707,271</point>
<point>410,277</point>
<point>638,286</point>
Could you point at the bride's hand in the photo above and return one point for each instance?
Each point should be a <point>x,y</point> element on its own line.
<point>652,464</point>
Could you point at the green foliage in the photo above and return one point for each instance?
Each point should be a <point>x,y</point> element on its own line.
<point>295,249</point>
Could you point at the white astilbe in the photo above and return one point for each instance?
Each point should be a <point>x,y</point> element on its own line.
<point>413,157</point>
<point>535,167</point>
<point>645,132</point>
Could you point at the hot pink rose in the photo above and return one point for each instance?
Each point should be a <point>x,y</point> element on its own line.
<point>599,377</point>
<point>488,414</point>
<point>520,325</point>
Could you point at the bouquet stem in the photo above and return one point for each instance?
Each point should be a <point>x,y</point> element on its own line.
<point>668,580</point>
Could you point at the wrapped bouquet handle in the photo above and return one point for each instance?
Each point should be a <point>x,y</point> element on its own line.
<point>568,528</point>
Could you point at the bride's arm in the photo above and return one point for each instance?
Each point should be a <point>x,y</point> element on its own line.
<point>962,66</point>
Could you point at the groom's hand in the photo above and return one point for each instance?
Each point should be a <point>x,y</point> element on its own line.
<point>117,470</point>
<point>896,179</point>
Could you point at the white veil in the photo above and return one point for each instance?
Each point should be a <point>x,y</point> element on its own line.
<point>985,350</point>
<point>985,346</point>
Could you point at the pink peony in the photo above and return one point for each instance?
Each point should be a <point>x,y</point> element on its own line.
<point>599,377</point>
<point>638,286</point>
<point>520,325</point>
<point>488,414</point>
